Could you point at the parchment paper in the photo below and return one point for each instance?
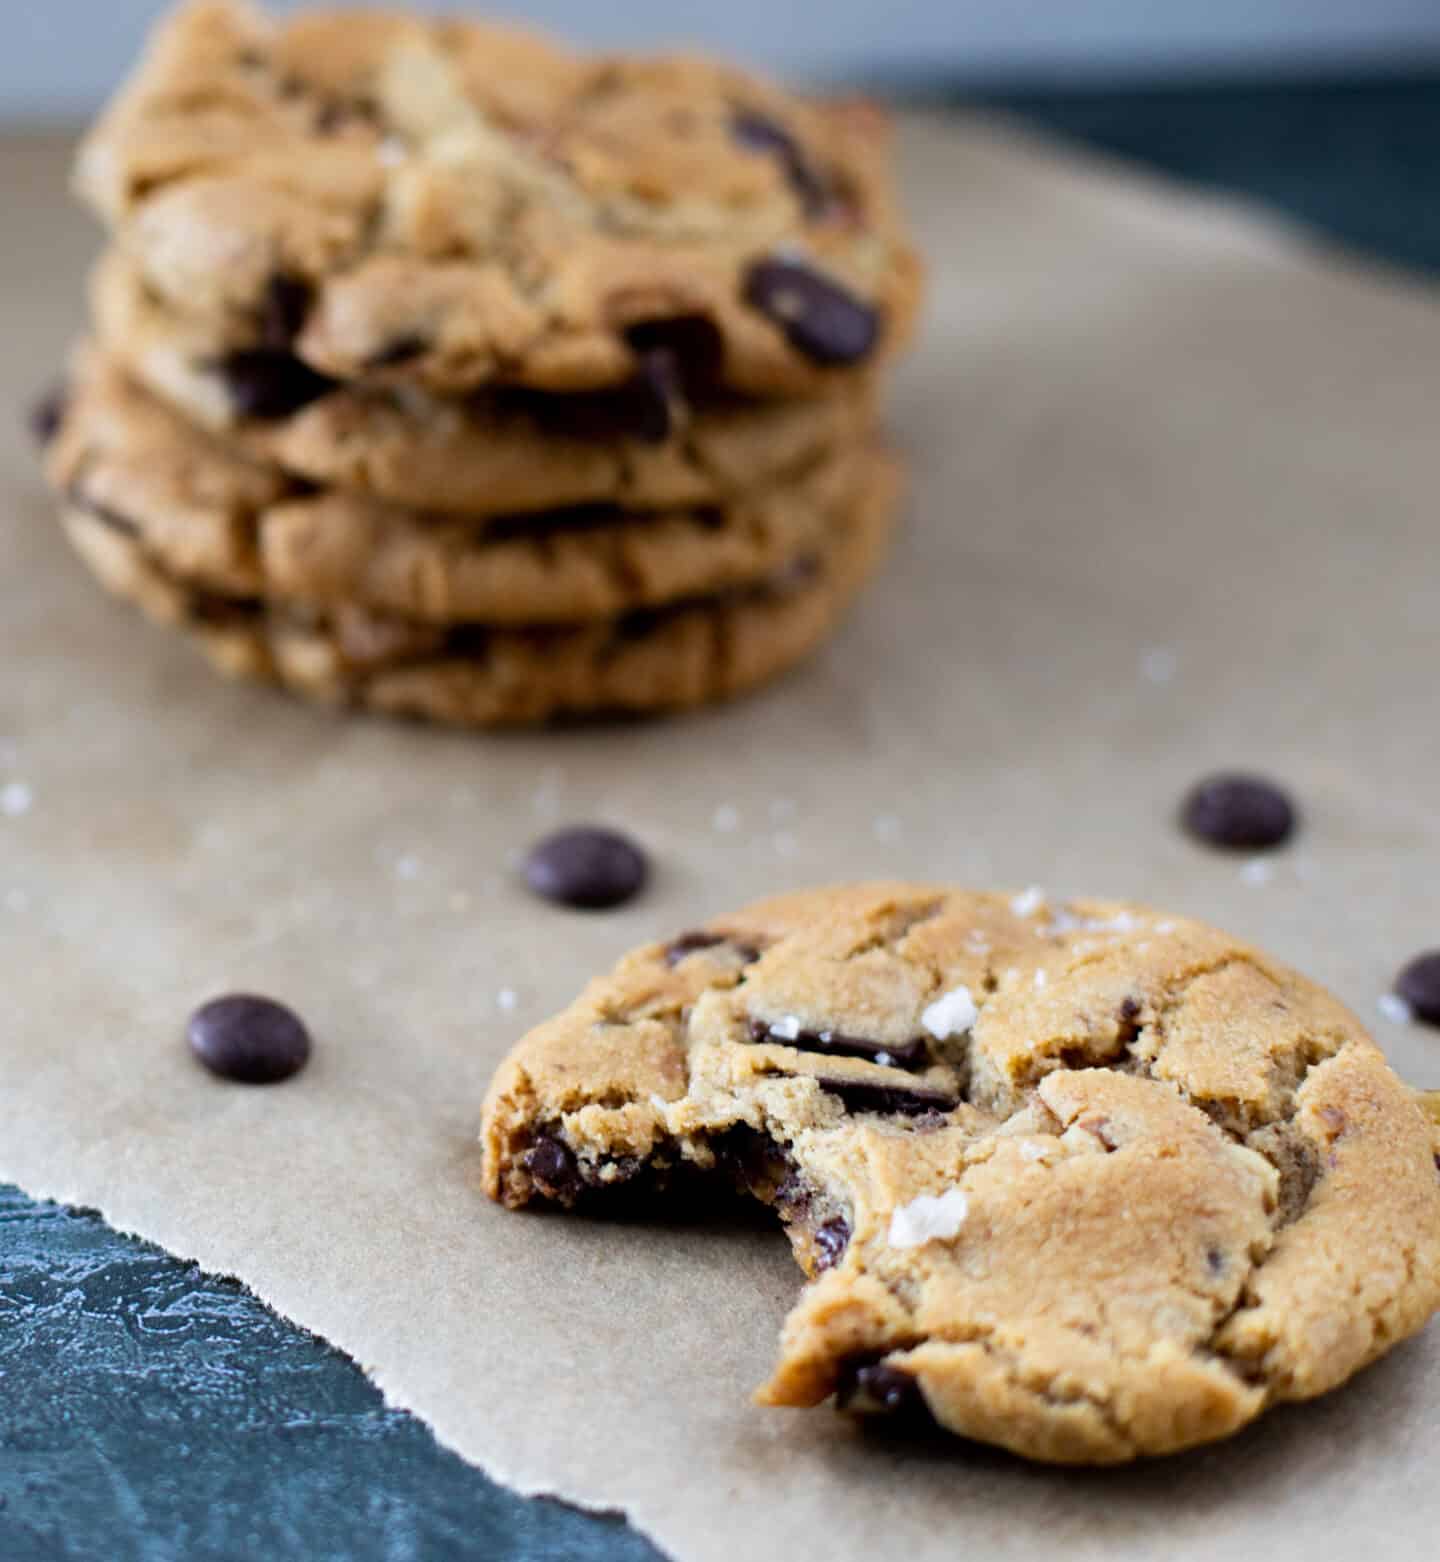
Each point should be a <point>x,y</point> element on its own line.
<point>1175,508</point>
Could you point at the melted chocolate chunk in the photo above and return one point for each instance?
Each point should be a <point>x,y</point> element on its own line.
<point>250,1040</point>
<point>872,1388</point>
<point>831,1240</point>
<point>271,385</point>
<point>910,1101</point>
<point>587,869</point>
<point>1419,985</point>
<point>756,1165</point>
<point>287,302</point>
<point>905,1054</point>
<point>820,319</point>
<point>46,415</point>
<point>690,347</point>
<point>553,1167</point>
<point>762,134</point>
<point>1239,813</point>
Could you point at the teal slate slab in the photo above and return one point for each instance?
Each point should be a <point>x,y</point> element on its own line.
<point>151,1413</point>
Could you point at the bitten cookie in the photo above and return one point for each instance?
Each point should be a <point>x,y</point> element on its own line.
<point>215,522</point>
<point>453,204</point>
<point>1080,1179</point>
<point>657,441</point>
<point>473,674</point>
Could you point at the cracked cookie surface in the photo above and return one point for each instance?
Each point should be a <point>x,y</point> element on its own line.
<point>217,522</point>
<point>1079,1179</point>
<point>655,443</point>
<point>450,203</point>
<point>684,653</point>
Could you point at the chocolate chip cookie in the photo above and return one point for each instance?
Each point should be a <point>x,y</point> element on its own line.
<point>476,674</point>
<point>215,522</point>
<point>654,443</point>
<point>452,204</point>
<point>1076,1178</point>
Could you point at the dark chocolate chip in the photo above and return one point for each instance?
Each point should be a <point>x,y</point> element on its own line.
<point>1215,1261</point>
<point>762,134</point>
<point>254,1041</point>
<point>46,415</point>
<point>1419,985</point>
<point>819,317</point>
<point>902,1054</point>
<point>831,1240</point>
<point>404,349</point>
<point>586,868</point>
<point>271,385</point>
<point>1239,813</point>
<point>872,1388</point>
<point>758,1166</point>
<point>644,406</point>
<point>690,347</point>
<point>687,944</point>
<point>553,1167</point>
<point>287,302</point>
<point>909,1102</point>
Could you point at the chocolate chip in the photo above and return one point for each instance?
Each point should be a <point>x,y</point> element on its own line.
<point>1419,985</point>
<point>589,869</point>
<point>270,385</point>
<point>46,415</point>
<point>254,1041</point>
<point>556,1172</point>
<point>897,1054</point>
<point>872,1388</point>
<point>287,302</point>
<point>762,134</point>
<point>1238,812</point>
<point>1215,1261</point>
<point>819,317</point>
<point>690,346</point>
<point>831,1240</point>
<point>688,943</point>
<point>910,1101</point>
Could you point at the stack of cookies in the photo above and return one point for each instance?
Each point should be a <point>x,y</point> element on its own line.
<point>437,370</point>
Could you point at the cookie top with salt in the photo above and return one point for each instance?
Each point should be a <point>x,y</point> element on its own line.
<point>1096,1182</point>
<point>452,204</point>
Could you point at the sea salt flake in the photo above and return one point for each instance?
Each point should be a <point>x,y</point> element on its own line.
<point>1028,902</point>
<point>507,999</point>
<point>1031,1151</point>
<point>1394,1008</point>
<point>1257,871</point>
<point>407,867</point>
<point>15,799</point>
<point>928,1218</point>
<point>951,1014</point>
<point>1041,978</point>
<point>786,1028</point>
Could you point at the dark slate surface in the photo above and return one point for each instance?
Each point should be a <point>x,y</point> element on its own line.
<point>150,1413</point>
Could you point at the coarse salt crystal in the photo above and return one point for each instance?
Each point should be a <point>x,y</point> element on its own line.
<point>786,1028</point>
<point>1394,1007</point>
<point>951,1014</point>
<point>1028,902</point>
<point>928,1218</point>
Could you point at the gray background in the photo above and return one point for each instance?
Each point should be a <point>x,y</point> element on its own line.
<point>61,54</point>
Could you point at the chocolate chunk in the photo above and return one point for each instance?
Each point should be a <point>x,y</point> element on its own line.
<point>287,302</point>
<point>1239,813</point>
<point>552,1165</point>
<point>270,385</point>
<point>872,1388</point>
<point>690,348</point>
<point>46,416</point>
<point>762,134</point>
<point>254,1041</point>
<point>687,944</point>
<point>758,1166</point>
<point>1419,985</point>
<point>589,869</point>
<point>911,1101</point>
<point>831,1240</point>
<point>902,1054</point>
<point>819,317</point>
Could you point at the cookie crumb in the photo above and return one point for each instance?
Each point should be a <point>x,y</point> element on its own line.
<point>1394,1008</point>
<point>1028,901</point>
<point>16,799</point>
<point>951,1014</point>
<point>726,819</point>
<point>928,1218</point>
